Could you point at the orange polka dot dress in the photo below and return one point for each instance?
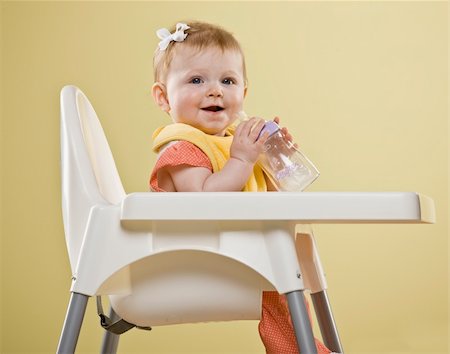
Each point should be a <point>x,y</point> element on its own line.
<point>275,327</point>
<point>177,154</point>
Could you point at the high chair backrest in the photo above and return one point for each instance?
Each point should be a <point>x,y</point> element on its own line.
<point>89,174</point>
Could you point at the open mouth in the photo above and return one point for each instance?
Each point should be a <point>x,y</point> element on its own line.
<point>213,109</point>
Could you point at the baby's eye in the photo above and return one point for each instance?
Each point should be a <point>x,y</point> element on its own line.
<point>196,80</point>
<point>228,81</point>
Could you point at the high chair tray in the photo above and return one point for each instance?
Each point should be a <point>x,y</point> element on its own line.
<point>302,207</point>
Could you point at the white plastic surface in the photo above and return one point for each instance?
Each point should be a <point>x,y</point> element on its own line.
<point>308,256</point>
<point>304,207</point>
<point>209,287</point>
<point>88,172</point>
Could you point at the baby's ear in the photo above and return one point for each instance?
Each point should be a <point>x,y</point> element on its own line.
<point>159,93</point>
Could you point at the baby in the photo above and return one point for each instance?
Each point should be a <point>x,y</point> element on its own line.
<point>201,82</point>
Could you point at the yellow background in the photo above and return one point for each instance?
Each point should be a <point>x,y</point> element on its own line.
<point>361,85</point>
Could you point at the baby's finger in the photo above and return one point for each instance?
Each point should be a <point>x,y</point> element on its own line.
<point>256,129</point>
<point>238,129</point>
<point>246,126</point>
<point>286,133</point>
<point>263,138</point>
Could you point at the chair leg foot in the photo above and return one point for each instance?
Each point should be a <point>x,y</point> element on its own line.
<point>72,324</point>
<point>301,322</point>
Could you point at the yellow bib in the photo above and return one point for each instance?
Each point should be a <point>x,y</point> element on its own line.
<point>217,148</point>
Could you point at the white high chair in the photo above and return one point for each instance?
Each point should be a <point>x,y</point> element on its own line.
<point>167,258</point>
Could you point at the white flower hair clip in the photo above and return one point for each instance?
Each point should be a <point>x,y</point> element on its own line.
<point>167,37</point>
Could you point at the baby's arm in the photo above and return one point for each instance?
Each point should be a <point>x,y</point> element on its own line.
<point>244,153</point>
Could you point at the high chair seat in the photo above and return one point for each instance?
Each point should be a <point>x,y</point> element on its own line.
<point>166,258</point>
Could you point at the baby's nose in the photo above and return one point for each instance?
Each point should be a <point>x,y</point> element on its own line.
<point>215,91</point>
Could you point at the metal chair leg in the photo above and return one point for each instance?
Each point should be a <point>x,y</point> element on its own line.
<point>110,340</point>
<point>301,322</point>
<point>72,324</point>
<point>326,321</point>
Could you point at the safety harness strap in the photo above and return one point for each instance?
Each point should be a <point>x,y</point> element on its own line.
<point>118,326</point>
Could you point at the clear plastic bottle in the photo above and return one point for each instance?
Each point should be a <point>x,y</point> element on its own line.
<point>287,168</point>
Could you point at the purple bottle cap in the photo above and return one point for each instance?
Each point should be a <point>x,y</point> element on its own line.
<point>270,127</point>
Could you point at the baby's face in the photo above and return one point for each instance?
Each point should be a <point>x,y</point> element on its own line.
<point>205,89</point>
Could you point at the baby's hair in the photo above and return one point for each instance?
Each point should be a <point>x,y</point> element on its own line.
<point>200,35</point>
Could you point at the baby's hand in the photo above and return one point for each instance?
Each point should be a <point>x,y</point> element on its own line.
<point>285,132</point>
<point>246,146</point>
